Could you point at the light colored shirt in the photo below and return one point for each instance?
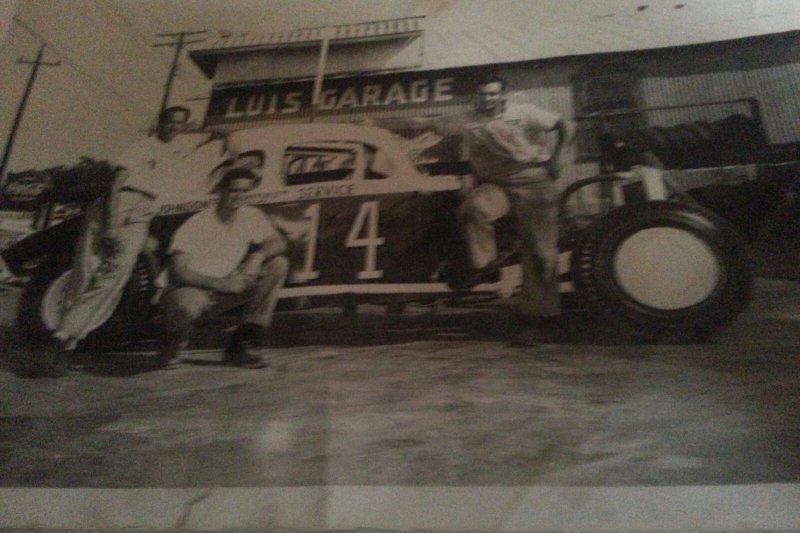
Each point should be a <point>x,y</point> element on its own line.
<point>149,161</point>
<point>217,248</point>
<point>160,172</point>
<point>498,145</point>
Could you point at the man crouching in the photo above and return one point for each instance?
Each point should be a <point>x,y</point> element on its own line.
<point>225,255</point>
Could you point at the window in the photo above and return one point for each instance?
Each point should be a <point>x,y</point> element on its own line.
<point>606,99</point>
<point>378,165</point>
<point>318,162</point>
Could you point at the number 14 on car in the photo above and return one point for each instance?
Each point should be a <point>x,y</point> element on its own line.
<point>363,233</point>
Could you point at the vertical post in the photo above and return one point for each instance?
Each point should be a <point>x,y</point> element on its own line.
<point>755,111</point>
<point>320,75</point>
<point>173,69</point>
<point>171,76</point>
<point>21,109</point>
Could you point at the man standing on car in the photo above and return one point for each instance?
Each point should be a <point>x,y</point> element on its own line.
<point>116,228</point>
<point>513,169</point>
<point>226,255</point>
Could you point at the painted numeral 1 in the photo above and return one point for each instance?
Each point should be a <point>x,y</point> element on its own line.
<point>308,273</point>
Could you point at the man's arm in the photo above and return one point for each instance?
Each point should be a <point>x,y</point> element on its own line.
<point>564,130</point>
<point>180,269</point>
<point>266,250</point>
<point>113,216</point>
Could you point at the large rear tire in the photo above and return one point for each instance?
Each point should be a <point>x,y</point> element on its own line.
<point>657,267</point>
<point>41,302</point>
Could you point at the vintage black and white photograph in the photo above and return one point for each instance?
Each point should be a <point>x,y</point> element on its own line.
<point>400,265</point>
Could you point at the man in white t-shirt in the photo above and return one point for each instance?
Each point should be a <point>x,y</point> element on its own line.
<point>116,226</point>
<point>227,252</point>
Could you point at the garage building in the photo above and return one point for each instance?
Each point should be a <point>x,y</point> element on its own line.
<point>680,98</point>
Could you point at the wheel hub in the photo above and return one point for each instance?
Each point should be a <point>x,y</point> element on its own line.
<point>666,268</point>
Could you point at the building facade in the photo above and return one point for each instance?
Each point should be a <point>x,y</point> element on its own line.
<point>377,70</point>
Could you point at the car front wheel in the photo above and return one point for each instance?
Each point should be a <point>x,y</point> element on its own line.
<point>660,267</point>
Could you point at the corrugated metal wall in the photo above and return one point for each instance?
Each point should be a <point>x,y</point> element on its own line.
<point>775,88</point>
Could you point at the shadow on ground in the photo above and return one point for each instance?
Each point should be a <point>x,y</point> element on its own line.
<point>772,319</point>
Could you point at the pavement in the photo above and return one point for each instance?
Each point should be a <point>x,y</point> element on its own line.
<point>417,421</point>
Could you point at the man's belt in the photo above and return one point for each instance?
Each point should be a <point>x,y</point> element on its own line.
<point>514,169</point>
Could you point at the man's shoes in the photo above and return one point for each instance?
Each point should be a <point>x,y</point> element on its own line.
<point>244,349</point>
<point>471,277</point>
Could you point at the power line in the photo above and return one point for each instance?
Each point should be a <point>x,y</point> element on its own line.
<point>71,62</point>
<point>113,19</point>
<point>108,7</point>
<point>22,104</point>
<point>116,15</point>
<point>179,44</point>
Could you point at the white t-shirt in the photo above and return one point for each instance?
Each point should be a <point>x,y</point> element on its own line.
<point>217,248</point>
<point>500,143</point>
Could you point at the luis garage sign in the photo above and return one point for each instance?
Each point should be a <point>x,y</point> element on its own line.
<point>260,101</point>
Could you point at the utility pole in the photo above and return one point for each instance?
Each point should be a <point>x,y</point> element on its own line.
<point>319,78</point>
<point>21,109</point>
<point>173,70</point>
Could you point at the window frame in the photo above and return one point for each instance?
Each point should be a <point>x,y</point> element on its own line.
<point>590,117</point>
<point>356,147</point>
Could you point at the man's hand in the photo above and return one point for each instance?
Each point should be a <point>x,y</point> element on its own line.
<point>553,167</point>
<point>181,272</point>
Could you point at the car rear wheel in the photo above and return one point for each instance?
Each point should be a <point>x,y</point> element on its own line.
<point>659,267</point>
<point>42,301</point>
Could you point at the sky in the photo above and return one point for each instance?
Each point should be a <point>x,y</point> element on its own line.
<point>108,87</point>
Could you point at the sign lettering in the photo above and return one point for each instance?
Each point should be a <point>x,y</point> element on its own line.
<point>266,100</point>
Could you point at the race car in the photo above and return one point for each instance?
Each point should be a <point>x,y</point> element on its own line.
<point>366,224</point>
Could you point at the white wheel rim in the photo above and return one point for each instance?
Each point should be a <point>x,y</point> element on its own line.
<point>53,301</point>
<point>52,309</point>
<point>666,268</point>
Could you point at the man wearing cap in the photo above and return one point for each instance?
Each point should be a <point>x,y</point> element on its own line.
<point>116,226</point>
<point>225,255</point>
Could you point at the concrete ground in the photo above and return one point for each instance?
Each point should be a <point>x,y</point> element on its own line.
<point>421,399</point>
<point>415,422</point>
